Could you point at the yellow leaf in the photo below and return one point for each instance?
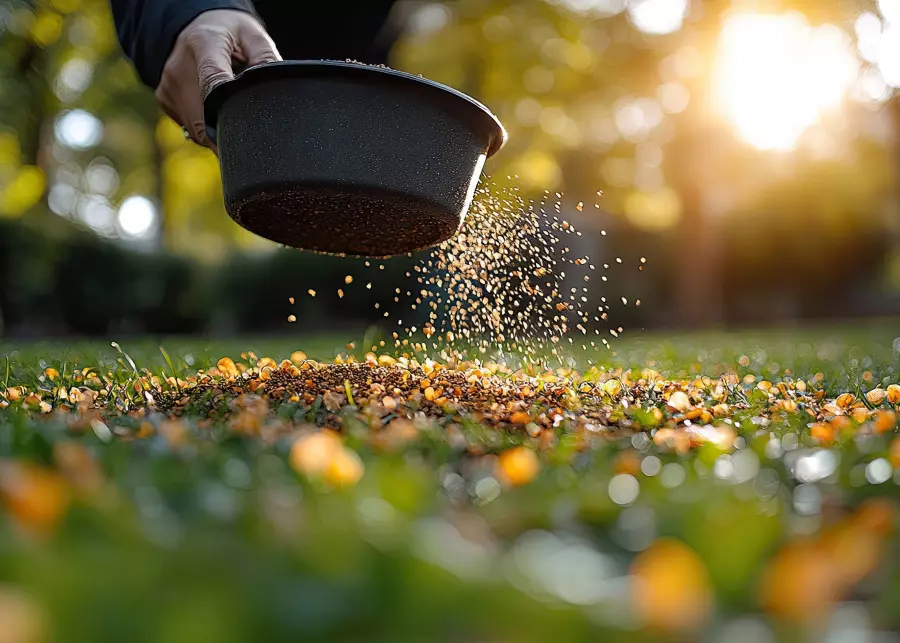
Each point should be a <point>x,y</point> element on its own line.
<point>845,400</point>
<point>23,191</point>
<point>679,401</point>
<point>893,393</point>
<point>885,421</point>
<point>47,28</point>
<point>311,454</point>
<point>519,465</point>
<point>345,468</point>
<point>799,584</point>
<point>227,367</point>
<point>36,496</point>
<point>671,589</point>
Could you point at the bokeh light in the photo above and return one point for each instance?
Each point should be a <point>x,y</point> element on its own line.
<point>658,17</point>
<point>598,7</point>
<point>78,129</point>
<point>62,198</point>
<point>878,39</point>
<point>97,213</point>
<point>74,77</point>
<point>137,216</point>
<point>101,178</point>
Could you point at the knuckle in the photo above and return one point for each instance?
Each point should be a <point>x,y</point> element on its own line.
<point>197,35</point>
<point>211,77</point>
<point>172,65</point>
<point>197,129</point>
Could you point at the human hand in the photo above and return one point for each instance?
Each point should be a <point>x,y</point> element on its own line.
<point>202,59</point>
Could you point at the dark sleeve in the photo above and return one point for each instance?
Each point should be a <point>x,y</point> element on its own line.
<point>147,29</point>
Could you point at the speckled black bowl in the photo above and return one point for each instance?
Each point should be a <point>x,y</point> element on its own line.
<point>347,158</point>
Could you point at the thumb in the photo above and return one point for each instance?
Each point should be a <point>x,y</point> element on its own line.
<point>257,46</point>
<point>214,66</point>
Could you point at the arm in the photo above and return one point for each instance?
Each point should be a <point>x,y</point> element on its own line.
<point>184,48</point>
<point>147,29</point>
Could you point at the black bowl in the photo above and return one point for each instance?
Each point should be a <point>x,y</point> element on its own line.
<point>348,158</point>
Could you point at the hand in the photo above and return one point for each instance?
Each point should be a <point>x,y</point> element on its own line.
<point>201,59</point>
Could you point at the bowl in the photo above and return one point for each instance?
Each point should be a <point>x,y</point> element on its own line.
<point>347,158</point>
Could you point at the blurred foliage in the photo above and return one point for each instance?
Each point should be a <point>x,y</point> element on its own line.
<point>233,518</point>
<point>557,77</point>
<point>72,282</point>
<point>60,56</point>
<point>592,102</point>
<point>718,212</point>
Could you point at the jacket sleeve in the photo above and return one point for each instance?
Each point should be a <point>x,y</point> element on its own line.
<point>147,29</point>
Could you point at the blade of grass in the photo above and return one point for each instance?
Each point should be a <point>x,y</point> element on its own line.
<point>125,355</point>
<point>168,359</point>
<point>349,392</point>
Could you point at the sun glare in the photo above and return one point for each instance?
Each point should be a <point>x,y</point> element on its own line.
<point>776,76</point>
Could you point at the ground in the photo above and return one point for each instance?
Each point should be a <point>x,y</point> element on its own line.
<point>730,486</point>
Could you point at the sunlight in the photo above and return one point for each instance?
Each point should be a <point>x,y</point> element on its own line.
<point>776,76</point>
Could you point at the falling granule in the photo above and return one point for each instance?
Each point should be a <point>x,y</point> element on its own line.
<point>369,286</point>
<point>312,293</point>
<point>340,293</point>
<point>292,318</point>
<point>291,299</point>
<point>348,279</point>
<point>498,284</point>
<point>580,206</point>
<point>624,301</point>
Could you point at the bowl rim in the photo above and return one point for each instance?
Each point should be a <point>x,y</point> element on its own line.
<point>319,68</point>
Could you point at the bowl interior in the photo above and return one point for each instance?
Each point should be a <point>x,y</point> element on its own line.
<point>345,221</point>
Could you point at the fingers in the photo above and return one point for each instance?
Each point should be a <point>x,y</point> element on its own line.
<point>194,121</point>
<point>181,100</point>
<point>214,63</point>
<point>202,60</point>
<point>256,45</point>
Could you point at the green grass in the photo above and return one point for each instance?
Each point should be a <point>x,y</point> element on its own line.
<point>205,532</point>
<point>841,352</point>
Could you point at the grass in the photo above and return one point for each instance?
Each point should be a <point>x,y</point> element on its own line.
<point>842,352</point>
<point>689,487</point>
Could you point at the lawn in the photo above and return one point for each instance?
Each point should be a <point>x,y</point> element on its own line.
<point>721,486</point>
